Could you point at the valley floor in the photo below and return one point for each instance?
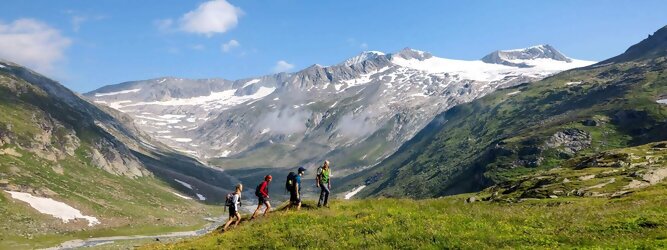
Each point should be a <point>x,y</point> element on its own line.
<point>635,221</point>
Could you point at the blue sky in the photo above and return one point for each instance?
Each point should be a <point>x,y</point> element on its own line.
<point>88,44</point>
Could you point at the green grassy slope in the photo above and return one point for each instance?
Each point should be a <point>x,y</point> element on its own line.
<point>124,206</point>
<point>510,133</point>
<point>46,149</point>
<point>636,221</point>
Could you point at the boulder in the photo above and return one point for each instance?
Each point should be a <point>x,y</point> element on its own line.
<point>590,123</point>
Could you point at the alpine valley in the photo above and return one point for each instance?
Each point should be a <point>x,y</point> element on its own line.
<point>524,148</point>
<point>355,113</point>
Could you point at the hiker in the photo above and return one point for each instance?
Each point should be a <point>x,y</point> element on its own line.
<point>293,185</point>
<point>233,201</point>
<point>262,193</point>
<point>324,183</point>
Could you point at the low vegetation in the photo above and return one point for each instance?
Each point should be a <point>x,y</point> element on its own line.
<point>632,222</point>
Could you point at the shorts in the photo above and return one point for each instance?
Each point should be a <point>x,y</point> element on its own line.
<point>294,199</point>
<point>232,211</point>
<point>262,200</point>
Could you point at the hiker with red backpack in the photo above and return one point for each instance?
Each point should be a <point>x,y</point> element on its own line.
<point>293,185</point>
<point>233,202</point>
<point>262,193</point>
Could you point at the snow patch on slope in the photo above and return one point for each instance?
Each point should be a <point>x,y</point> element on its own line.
<point>118,92</point>
<point>215,100</point>
<point>54,208</point>
<point>185,184</point>
<point>182,196</point>
<point>354,192</point>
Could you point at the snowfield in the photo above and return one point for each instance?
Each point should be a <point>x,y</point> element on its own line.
<point>118,92</point>
<point>185,184</point>
<point>663,101</point>
<point>54,208</point>
<point>182,196</point>
<point>354,191</point>
<point>481,71</point>
<point>216,100</point>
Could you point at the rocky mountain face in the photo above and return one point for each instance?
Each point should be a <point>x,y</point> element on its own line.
<point>355,113</point>
<point>54,134</point>
<point>67,165</point>
<point>531,140</point>
<point>45,119</point>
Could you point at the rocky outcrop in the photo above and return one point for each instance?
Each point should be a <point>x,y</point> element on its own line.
<point>106,155</point>
<point>569,141</point>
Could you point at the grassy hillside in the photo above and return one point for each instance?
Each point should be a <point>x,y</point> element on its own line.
<point>528,128</point>
<point>124,206</point>
<point>635,221</point>
<point>55,145</point>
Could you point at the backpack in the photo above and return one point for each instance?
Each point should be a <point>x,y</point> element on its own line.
<point>229,200</point>
<point>290,183</point>
<point>257,193</point>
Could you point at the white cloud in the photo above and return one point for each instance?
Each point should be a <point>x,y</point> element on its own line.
<point>282,66</point>
<point>363,46</point>
<point>33,44</point>
<point>198,47</point>
<point>228,46</point>
<point>217,16</point>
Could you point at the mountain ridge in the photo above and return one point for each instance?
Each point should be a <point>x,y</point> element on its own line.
<point>341,112</point>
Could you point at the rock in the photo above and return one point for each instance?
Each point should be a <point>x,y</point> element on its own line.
<point>586,177</point>
<point>606,159</point>
<point>11,152</point>
<point>620,194</point>
<point>590,123</point>
<point>553,196</point>
<point>566,180</point>
<point>471,199</point>
<point>569,141</point>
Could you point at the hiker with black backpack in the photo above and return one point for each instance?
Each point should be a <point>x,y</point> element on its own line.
<point>262,193</point>
<point>293,185</point>
<point>324,183</point>
<point>233,202</point>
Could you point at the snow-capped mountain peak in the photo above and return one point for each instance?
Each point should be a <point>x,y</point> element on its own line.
<point>366,55</point>
<point>519,57</point>
<point>408,53</point>
<point>339,105</point>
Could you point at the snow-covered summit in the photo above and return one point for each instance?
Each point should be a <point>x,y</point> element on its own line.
<point>408,53</point>
<point>366,55</point>
<point>518,57</point>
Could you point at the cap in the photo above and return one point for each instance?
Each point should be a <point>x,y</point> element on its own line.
<point>268,177</point>
<point>302,169</point>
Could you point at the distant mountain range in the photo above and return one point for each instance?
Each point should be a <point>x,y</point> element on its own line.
<point>542,139</point>
<point>355,113</point>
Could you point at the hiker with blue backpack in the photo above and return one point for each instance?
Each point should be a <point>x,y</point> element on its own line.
<point>262,193</point>
<point>293,185</point>
<point>233,202</point>
<point>324,183</point>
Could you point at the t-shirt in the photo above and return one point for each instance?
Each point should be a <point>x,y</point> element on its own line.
<point>264,189</point>
<point>236,200</point>
<point>298,181</point>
